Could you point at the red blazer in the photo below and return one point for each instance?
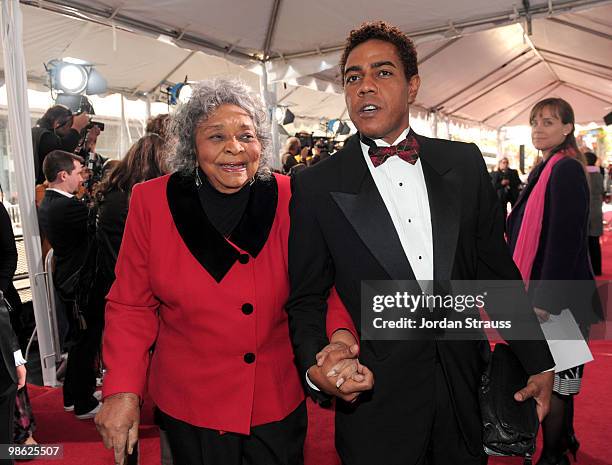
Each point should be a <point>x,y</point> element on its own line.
<point>212,308</point>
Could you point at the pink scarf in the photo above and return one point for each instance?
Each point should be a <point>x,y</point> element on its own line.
<point>531,226</point>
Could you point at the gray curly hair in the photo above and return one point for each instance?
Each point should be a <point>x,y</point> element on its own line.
<point>207,96</point>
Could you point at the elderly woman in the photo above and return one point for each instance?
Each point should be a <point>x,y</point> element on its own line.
<point>202,277</point>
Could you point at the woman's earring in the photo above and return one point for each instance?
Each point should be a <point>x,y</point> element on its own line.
<point>198,181</point>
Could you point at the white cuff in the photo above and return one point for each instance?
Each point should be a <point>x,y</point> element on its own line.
<point>19,360</point>
<point>550,369</point>
<point>310,383</point>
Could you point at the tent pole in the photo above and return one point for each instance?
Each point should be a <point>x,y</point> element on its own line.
<point>574,58</point>
<point>434,124</point>
<point>21,152</point>
<point>579,27</point>
<point>148,108</point>
<point>580,70</point>
<point>269,98</point>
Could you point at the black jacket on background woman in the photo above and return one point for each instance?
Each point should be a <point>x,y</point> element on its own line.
<point>563,248</point>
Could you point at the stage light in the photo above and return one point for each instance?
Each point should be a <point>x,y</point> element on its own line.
<point>75,77</point>
<point>185,93</point>
<point>283,115</point>
<point>179,93</point>
<point>72,79</point>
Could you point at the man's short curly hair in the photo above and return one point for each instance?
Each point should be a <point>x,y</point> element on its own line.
<point>381,30</point>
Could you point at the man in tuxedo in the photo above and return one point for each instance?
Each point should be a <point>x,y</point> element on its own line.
<point>394,205</point>
<point>63,219</point>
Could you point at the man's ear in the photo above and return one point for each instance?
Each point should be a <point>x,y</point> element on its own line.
<point>413,87</point>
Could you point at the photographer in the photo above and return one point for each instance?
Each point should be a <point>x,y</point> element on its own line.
<point>506,183</point>
<point>94,162</point>
<point>58,129</point>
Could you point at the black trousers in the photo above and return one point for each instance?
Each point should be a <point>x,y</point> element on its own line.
<point>277,443</point>
<point>80,381</point>
<point>595,254</point>
<point>8,392</point>
<point>445,444</point>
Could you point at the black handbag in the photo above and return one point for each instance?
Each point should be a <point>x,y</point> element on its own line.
<point>510,428</point>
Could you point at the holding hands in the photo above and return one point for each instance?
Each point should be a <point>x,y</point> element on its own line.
<point>338,371</point>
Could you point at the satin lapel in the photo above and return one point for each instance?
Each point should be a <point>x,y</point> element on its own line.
<point>365,210</point>
<point>444,206</point>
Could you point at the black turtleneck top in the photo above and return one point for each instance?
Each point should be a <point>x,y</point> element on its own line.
<point>224,211</point>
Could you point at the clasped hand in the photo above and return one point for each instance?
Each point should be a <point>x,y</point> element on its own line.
<point>338,371</point>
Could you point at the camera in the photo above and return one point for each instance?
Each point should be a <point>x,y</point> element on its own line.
<point>95,123</point>
<point>79,104</point>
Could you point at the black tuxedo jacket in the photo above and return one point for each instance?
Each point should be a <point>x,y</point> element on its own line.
<point>63,220</point>
<point>341,233</point>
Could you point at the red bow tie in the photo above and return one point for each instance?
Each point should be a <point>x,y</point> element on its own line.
<point>407,150</point>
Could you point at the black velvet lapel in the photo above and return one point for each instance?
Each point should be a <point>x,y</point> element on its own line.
<point>204,242</point>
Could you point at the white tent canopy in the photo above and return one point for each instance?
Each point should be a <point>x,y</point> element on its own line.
<point>477,63</point>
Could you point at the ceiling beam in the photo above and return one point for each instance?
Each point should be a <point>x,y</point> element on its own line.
<point>586,92</point>
<point>495,86</point>
<point>439,105</point>
<point>557,84</point>
<point>446,44</point>
<point>271,28</point>
<point>571,57</point>
<point>108,17</point>
<point>518,102</point>
<point>527,39</point>
<point>578,27</point>
<point>580,70</point>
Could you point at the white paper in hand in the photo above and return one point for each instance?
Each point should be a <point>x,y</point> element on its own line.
<point>565,341</point>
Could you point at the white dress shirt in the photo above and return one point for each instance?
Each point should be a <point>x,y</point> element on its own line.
<point>404,192</point>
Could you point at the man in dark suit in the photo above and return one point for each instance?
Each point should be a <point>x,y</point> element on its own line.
<point>63,219</point>
<point>421,209</point>
<point>12,364</point>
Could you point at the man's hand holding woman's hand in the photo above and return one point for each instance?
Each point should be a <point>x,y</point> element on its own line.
<point>338,371</point>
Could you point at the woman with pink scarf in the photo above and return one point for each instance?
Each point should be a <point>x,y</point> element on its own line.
<point>547,233</point>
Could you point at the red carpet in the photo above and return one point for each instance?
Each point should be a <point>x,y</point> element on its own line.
<point>593,416</point>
